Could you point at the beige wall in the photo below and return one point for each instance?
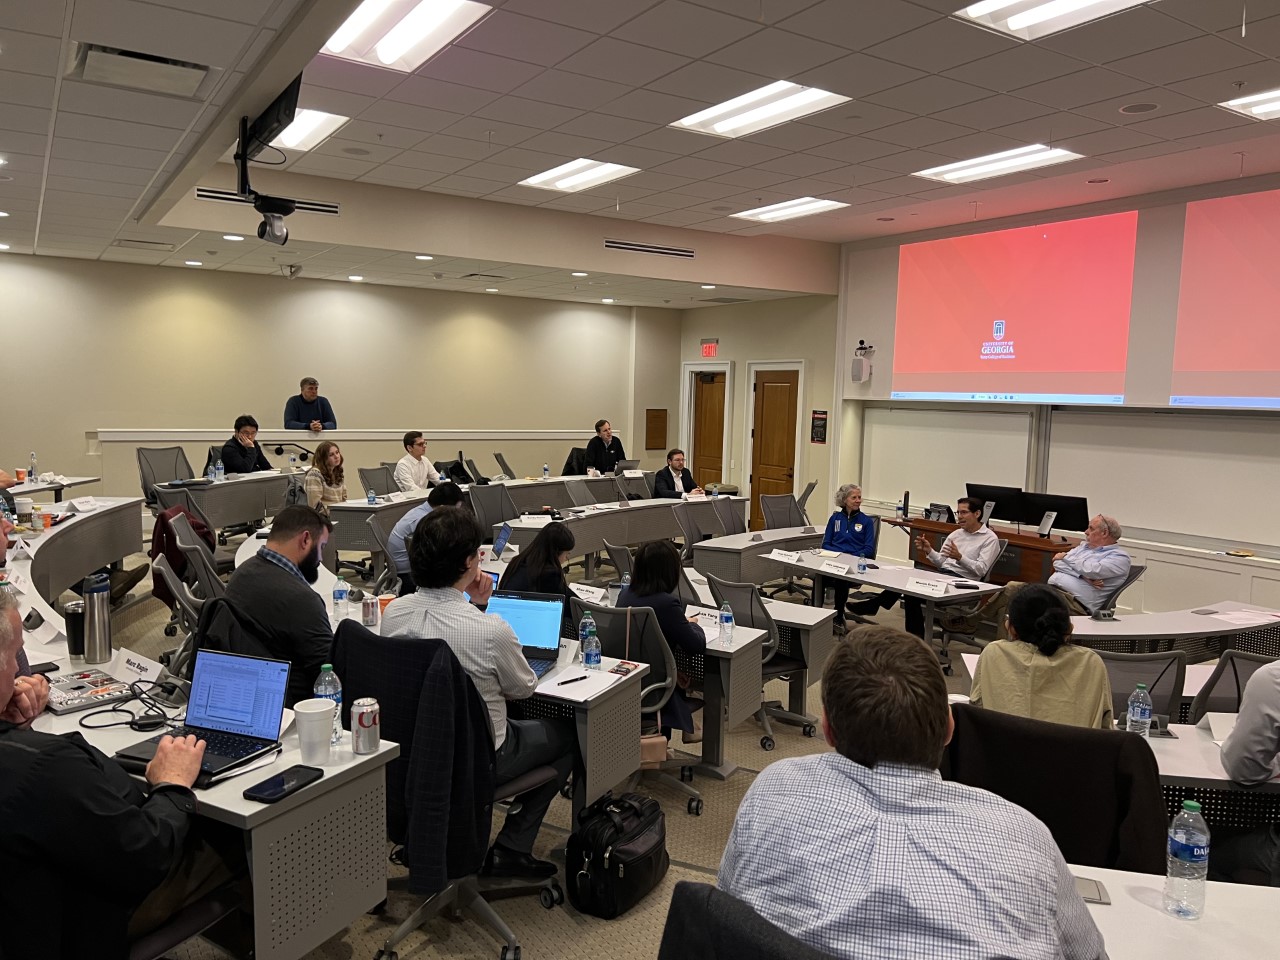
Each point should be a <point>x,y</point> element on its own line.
<point>804,329</point>
<point>115,345</point>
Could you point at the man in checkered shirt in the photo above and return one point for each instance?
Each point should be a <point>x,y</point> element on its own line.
<point>868,853</point>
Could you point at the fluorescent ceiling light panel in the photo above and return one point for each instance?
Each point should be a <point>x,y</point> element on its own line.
<point>1033,19</point>
<point>402,34</point>
<point>1259,106</point>
<point>998,164</point>
<point>309,129</point>
<point>580,174</point>
<point>760,109</point>
<point>789,209</point>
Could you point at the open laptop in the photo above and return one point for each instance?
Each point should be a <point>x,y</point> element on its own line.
<point>536,619</point>
<point>624,465</point>
<point>235,708</point>
<point>501,540</point>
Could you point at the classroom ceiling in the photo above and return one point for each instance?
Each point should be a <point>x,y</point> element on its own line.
<point>540,82</point>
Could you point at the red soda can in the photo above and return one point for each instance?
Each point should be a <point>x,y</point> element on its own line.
<point>366,726</point>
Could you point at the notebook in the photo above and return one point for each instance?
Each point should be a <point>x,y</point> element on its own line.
<point>536,619</point>
<point>235,708</point>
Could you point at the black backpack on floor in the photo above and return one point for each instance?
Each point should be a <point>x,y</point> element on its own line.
<point>617,855</point>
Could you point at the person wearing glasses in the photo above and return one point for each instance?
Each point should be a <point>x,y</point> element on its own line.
<point>242,453</point>
<point>414,470</point>
<point>676,481</point>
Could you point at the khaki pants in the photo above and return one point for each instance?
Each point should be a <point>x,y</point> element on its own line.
<point>997,609</point>
<point>213,856</point>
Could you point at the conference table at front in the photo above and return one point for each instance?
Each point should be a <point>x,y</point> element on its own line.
<point>31,487</point>
<point>83,543</point>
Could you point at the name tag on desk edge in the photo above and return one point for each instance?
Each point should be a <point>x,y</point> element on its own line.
<point>786,556</point>
<point>633,473</point>
<point>589,594</point>
<point>937,588</point>
<point>17,581</point>
<point>83,504</point>
<point>830,566</point>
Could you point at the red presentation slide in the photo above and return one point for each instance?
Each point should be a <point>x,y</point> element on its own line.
<point>1227,349</point>
<point>1034,315</point>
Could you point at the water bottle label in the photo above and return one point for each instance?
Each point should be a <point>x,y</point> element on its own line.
<point>1188,852</point>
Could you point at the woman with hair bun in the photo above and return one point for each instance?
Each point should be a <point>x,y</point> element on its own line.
<point>1038,672</point>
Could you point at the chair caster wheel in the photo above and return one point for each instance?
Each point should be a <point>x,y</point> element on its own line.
<point>809,730</point>
<point>686,774</point>
<point>222,539</point>
<point>171,630</point>
<point>695,806</point>
<point>509,953</point>
<point>566,791</point>
<point>386,955</point>
<point>547,898</point>
<point>947,669</point>
<point>767,742</point>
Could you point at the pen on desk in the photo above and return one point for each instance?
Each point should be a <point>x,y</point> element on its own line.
<point>571,680</point>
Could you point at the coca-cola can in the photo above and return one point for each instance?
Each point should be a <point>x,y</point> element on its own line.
<point>369,610</point>
<point>366,726</point>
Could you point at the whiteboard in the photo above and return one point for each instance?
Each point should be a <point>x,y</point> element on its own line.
<point>1212,475</point>
<point>933,453</point>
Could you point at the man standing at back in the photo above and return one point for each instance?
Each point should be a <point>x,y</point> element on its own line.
<point>308,410</point>
<point>900,863</point>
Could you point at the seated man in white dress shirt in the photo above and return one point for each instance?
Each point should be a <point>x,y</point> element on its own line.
<point>676,480</point>
<point>898,862</point>
<point>414,471</point>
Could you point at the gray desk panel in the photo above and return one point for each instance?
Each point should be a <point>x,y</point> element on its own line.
<point>351,532</point>
<point>743,682</point>
<point>70,552</point>
<point>532,497</point>
<point>745,562</point>
<point>240,501</point>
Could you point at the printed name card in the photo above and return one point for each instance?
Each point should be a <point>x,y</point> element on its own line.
<point>131,667</point>
<point>633,473</point>
<point>83,504</point>
<point>786,556</point>
<point>589,594</point>
<point>935,588</point>
<point>831,566</point>
<point>17,581</point>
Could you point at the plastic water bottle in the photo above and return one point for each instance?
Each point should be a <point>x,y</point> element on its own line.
<point>373,497</point>
<point>590,642</point>
<point>726,623</point>
<point>210,473</point>
<point>546,472</point>
<point>626,580</point>
<point>33,474</point>
<point>862,564</point>
<point>329,687</point>
<point>1187,861</point>
<point>442,478</point>
<point>1139,713</point>
<point>219,471</point>
<point>293,463</point>
<point>340,597</point>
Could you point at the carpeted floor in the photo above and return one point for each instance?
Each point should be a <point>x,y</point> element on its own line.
<point>695,844</point>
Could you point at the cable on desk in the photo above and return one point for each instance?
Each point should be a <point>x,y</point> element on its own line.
<point>153,715</point>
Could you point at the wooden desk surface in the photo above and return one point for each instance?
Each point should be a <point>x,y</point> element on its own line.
<point>1029,558</point>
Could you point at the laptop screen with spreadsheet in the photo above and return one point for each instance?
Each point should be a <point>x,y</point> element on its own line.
<point>237,694</point>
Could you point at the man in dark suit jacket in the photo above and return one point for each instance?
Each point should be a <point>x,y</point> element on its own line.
<point>676,480</point>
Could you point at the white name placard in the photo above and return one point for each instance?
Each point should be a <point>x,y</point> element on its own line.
<point>589,594</point>
<point>830,566</point>
<point>935,588</point>
<point>786,556</point>
<point>633,473</point>
<point>83,504</point>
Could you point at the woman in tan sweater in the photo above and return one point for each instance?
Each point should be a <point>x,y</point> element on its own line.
<point>324,483</point>
<point>1038,672</point>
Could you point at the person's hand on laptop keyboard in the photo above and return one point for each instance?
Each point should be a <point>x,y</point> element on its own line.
<point>177,761</point>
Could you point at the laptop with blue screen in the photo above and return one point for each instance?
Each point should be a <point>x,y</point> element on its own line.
<point>235,708</point>
<point>536,619</point>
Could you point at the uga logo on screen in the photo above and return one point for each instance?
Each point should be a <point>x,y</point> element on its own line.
<point>997,348</point>
<point>997,330</point>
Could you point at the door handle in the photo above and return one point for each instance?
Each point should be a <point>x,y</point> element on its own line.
<point>791,474</point>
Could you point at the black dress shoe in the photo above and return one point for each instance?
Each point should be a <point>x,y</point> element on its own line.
<point>865,608</point>
<point>508,863</point>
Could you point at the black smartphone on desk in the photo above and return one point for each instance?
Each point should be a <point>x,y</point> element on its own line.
<point>282,784</point>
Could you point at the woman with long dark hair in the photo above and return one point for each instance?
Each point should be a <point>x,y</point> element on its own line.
<point>539,567</point>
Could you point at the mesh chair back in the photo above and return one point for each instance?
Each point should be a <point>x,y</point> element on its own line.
<point>160,465</point>
<point>781,511</point>
<point>472,469</point>
<point>875,539</point>
<point>1135,571</point>
<point>388,581</point>
<point>748,609</point>
<point>199,556</point>
<point>686,591</point>
<point>186,605</point>
<point>378,479</point>
<point>579,493</point>
<point>804,498</point>
<point>688,529</point>
<point>1163,673</point>
<point>1225,686</point>
<point>629,487</point>
<point>730,515</point>
<point>492,504</point>
<point>646,645</point>
<point>621,558</point>
<point>502,463</point>
<point>1004,545</point>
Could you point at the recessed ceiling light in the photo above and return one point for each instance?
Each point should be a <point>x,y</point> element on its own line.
<point>4,246</point>
<point>606,300</point>
<point>760,109</point>
<point>708,286</point>
<point>3,161</point>
<point>355,277</point>
<point>885,219</point>
<point>580,174</point>
<point>490,289</point>
<point>309,129</point>
<point>1130,109</point>
<point>235,237</point>
<point>1257,106</point>
<point>579,273</point>
<point>3,214</point>
<point>803,207</point>
<point>998,164</point>
<point>1033,19</point>
<point>195,263</point>
<point>422,256</point>
<point>402,34</point>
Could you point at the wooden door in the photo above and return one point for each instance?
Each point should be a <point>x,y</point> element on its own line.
<point>773,437</point>
<point>706,458</point>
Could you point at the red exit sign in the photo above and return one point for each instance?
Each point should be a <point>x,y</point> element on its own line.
<point>710,349</point>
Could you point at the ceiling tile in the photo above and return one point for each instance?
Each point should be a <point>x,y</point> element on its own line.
<point>794,136</point>
<point>673,141</point>
<point>507,34</point>
<point>766,11</point>
<point>973,145</point>
<point>1229,84</point>
<point>800,164</point>
<point>853,118</point>
<point>919,132</point>
<point>929,95</point>
<point>1217,16</point>
<point>568,90</point>
<point>630,155</point>
<point>1019,67</point>
<point>695,168</point>
<point>26,89</point>
<point>1201,120</point>
<point>646,179</point>
<point>346,168</point>
<point>627,63</point>
<point>710,81</point>
<point>407,115</point>
<point>1076,89</point>
<point>527,112</point>
<point>993,112</point>
<point>753,179</point>
<point>366,132</point>
<point>1199,56</point>
<point>942,44</point>
<point>602,127</point>
<point>1109,110</point>
<point>565,145</point>
<point>45,17</point>
<point>685,29</point>
<point>534,160</point>
<point>1050,128</point>
<point>100,130</point>
<point>402,177</point>
<point>22,119</point>
<point>1124,34</point>
<point>741,153</point>
<point>96,101</point>
<point>477,69</point>
<point>360,78</point>
<point>585,14</point>
<point>857,75</point>
<point>776,54</point>
<point>1262,35</point>
<point>1106,141</point>
<point>337,102</point>
<point>891,18</point>
<point>487,170</point>
<point>30,53</point>
<point>430,92</point>
<point>492,132</point>
<point>910,161</point>
<point>854,150</point>
<point>653,107</point>
<point>159,31</point>
<point>467,186</point>
<point>67,149</point>
<point>370,152</point>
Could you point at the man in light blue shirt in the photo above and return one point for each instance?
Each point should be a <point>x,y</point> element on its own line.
<point>445,495</point>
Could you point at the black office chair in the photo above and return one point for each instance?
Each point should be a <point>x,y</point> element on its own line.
<point>1163,673</point>
<point>1224,689</point>
<point>686,590</point>
<point>1135,572</point>
<point>804,498</point>
<point>506,467</point>
<point>709,924</point>
<point>783,511</point>
<point>388,581</point>
<point>199,560</point>
<point>476,475</point>
<point>749,611</point>
<point>689,530</point>
<point>191,921</point>
<point>160,465</point>
<point>378,479</point>
<point>621,558</point>
<point>575,464</point>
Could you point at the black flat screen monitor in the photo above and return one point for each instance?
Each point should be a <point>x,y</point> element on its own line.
<point>1008,500</point>
<point>1073,512</point>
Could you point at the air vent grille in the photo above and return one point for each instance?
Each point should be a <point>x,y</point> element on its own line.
<point>653,249</point>
<point>94,63</point>
<point>230,196</point>
<point>725,300</point>
<point>487,277</point>
<point>156,245</point>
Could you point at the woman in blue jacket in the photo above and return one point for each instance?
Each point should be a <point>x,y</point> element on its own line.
<point>848,531</point>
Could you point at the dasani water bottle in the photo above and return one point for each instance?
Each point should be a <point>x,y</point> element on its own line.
<point>1139,713</point>
<point>1187,862</point>
<point>726,623</point>
<point>590,642</point>
<point>329,687</point>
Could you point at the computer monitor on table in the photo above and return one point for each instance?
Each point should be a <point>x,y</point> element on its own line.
<point>1073,512</point>
<point>1008,501</point>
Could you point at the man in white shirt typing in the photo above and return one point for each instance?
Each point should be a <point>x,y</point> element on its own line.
<point>414,471</point>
